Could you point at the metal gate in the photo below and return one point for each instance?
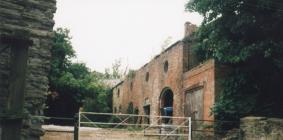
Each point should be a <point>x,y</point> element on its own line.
<point>130,126</point>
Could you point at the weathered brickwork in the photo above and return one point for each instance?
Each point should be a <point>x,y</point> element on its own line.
<point>188,84</point>
<point>158,80</point>
<point>202,76</point>
<point>26,23</point>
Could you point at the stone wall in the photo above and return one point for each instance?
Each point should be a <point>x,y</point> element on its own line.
<point>261,128</point>
<point>26,21</point>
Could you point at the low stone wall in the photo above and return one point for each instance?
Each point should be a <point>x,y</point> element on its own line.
<point>251,128</point>
<point>262,128</point>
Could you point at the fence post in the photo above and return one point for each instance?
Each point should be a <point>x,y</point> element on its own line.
<point>190,129</point>
<point>76,126</point>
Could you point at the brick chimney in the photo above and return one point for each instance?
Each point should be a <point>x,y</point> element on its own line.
<point>189,28</point>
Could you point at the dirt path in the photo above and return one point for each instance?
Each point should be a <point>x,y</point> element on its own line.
<point>66,133</point>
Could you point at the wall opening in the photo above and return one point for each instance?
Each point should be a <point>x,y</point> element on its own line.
<point>166,105</point>
<point>16,50</point>
<point>165,67</point>
<point>120,109</point>
<point>118,93</point>
<point>115,110</point>
<point>147,76</point>
<point>131,86</point>
<point>146,108</point>
<point>147,112</point>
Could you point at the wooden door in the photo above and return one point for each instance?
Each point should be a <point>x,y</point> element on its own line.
<point>194,106</point>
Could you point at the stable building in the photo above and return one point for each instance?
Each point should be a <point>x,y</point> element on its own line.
<point>174,83</point>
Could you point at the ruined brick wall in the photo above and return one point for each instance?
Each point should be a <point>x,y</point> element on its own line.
<point>30,21</point>
<point>182,78</point>
<point>117,97</point>
<point>138,88</point>
<point>202,76</point>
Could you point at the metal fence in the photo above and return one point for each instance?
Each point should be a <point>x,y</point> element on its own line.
<point>129,125</point>
<point>108,126</point>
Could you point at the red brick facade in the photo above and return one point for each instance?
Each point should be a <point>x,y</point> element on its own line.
<point>169,70</point>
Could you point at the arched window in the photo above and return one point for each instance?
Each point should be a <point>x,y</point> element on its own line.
<point>166,104</point>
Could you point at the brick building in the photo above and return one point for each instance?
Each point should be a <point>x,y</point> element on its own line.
<point>173,80</point>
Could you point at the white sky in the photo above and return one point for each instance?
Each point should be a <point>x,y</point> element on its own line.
<point>131,30</point>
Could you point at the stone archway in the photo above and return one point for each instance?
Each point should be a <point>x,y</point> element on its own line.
<point>166,104</point>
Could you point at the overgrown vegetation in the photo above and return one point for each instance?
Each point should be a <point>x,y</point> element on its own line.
<point>73,85</point>
<point>245,35</point>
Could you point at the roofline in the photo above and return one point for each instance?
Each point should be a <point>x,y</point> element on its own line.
<point>172,46</point>
<point>166,50</point>
<point>117,84</point>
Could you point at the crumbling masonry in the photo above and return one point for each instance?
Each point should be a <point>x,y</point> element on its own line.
<point>25,42</point>
<point>174,83</point>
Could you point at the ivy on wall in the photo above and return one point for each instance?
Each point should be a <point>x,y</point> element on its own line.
<point>245,35</point>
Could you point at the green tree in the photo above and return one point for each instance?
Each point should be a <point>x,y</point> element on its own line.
<point>66,77</point>
<point>247,36</point>
<point>62,51</point>
<point>73,85</point>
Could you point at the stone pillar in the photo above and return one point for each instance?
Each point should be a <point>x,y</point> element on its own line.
<point>30,20</point>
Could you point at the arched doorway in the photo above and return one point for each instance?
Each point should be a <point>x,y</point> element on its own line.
<point>166,104</point>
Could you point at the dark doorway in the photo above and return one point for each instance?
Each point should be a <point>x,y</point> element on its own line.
<point>166,105</point>
<point>147,112</point>
<point>13,76</point>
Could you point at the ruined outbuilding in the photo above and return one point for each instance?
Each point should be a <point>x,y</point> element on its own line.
<point>25,43</point>
<point>174,83</point>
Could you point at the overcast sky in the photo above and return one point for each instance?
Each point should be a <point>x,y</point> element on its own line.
<point>131,30</point>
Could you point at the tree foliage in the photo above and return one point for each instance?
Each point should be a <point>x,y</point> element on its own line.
<point>244,29</point>
<point>247,36</point>
<point>65,77</point>
<point>73,85</point>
